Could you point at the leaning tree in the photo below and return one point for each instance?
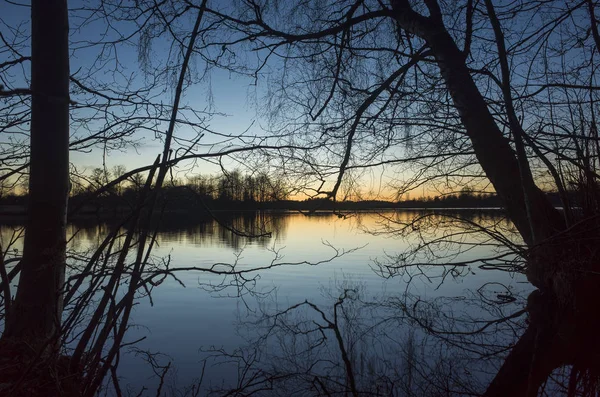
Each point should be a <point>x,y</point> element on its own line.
<point>502,96</point>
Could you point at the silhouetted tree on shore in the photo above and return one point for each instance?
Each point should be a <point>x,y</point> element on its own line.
<point>63,336</point>
<point>35,315</point>
<point>493,95</point>
<point>503,95</point>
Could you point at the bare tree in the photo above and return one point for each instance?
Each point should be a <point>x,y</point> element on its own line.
<point>502,96</point>
<point>105,109</point>
<point>34,317</point>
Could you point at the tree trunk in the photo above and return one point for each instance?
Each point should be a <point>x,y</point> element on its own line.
<point>36,312</point>
<point>536,354</point>
<point>492,149</point>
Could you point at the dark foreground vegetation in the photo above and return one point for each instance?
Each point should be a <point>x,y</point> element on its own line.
<point>503,95</point>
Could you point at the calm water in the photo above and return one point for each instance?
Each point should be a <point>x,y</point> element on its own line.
<point>351,251</point>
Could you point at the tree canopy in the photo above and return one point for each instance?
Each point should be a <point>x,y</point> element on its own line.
<point>502,96</point>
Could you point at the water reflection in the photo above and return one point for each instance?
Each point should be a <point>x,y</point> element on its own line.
<point>452,314</point>
<point>410,339</point>
<point>230,229</point>
<point>223,228</point>
<point>384,345</point>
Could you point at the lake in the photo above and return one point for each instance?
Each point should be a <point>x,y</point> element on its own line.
<point>401,325</point>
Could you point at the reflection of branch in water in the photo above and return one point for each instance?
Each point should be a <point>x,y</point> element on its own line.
<point>98,281</point>
<point>558,352</point>
<point>555,354</point>
<point>233,229</point>
<point>237,276</point>
<point>446,243</point>
<point>357,347</point>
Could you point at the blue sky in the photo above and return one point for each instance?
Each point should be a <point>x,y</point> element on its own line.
<point>232,98</point>
<point>228,96</point>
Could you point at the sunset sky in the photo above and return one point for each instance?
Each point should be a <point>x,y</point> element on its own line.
<point>228,96</point>
<point>235,102</point>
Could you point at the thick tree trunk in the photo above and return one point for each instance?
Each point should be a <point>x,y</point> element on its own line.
<point>561,262</point>
<point>536,354</point>
<point>492,149</point>
<point>36,312</point>
<point>524,369</point>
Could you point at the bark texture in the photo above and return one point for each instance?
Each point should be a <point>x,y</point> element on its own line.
<point>35,314</point>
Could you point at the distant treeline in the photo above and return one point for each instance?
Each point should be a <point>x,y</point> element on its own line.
<point>232,190</point>
<point>236,191</point>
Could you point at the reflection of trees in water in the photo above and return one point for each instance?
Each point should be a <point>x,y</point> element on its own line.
<point>404,344</point>
<point>232,229</point>
<point>557,349</point>
<point>86,235</point>
<point>493,341</point>
<point>391,345</point>
<point>443,243</point>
